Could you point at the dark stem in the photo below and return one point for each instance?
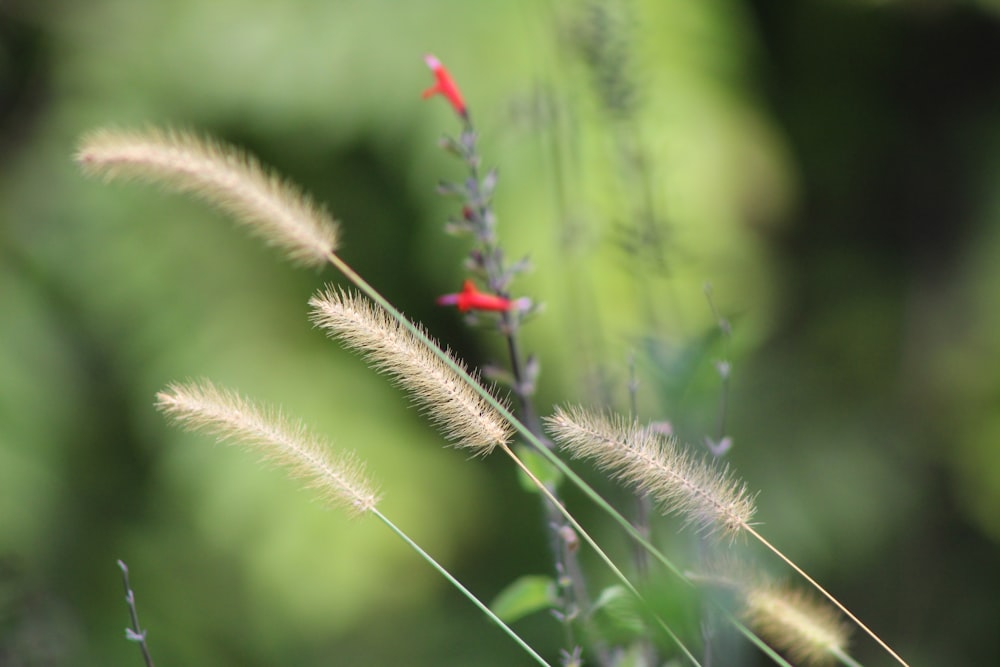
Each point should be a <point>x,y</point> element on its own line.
<point>135,633</point>
<point>723,367</point>
<point>723,409</point>
<point>563,541</point>
<point>643,508</point>
<point>643,505</point>
<point>525,407</point>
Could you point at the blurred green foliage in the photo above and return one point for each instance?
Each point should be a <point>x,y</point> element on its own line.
<point>829,166</point>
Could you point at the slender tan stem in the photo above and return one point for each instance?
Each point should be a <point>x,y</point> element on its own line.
<point>760,538</point>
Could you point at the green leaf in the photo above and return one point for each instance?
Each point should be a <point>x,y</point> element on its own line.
<point>523,596</point>
<point>547,473</point>
<point>616,613</point>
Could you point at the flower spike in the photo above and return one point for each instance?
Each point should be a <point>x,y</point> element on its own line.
<point>445,86</point>
<point>470,298</point>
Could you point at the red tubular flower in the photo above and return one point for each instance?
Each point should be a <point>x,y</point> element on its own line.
<point>445,86</point>
<point>471,298</point>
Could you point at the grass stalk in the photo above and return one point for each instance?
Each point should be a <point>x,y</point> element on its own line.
<point>461,587</point>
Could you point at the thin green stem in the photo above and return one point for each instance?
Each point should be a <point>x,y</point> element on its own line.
<point>754,639</point>
<point>465,591</point>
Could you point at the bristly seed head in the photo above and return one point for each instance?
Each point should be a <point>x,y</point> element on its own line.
<point>464,416</point>
<point>229,179</point>
<point>201,406</point>
<point>707,496</point>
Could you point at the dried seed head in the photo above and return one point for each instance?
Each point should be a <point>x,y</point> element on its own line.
<point>462,414</point>
<point>707,496</point>
<point>221,175</point>
<point>201,406</point>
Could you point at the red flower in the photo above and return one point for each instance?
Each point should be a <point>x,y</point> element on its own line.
<point>445,86</point>
<point>471,298</point>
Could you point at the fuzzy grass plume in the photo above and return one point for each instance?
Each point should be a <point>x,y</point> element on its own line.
<point>705,496</point>
<point>201,406</point>
<point>462,415</point>
<point>222,175</point>
<point>811,633</point>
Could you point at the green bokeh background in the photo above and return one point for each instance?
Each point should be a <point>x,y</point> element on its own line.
<point>829,166</point>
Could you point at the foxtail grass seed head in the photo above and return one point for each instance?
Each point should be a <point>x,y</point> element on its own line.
<point>222,175</point>
<point>810,632</point>
<point>201,406</point>
<point>463,415</point>
<point>706,496</point>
